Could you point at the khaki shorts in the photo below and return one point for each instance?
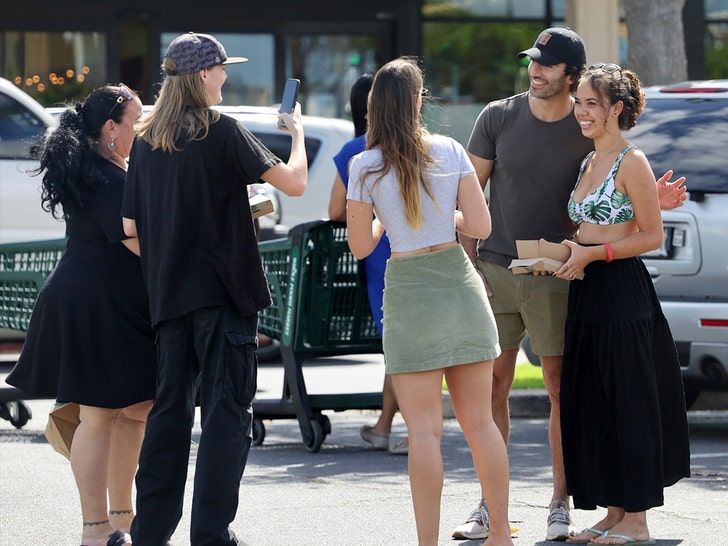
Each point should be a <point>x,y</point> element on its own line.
<point>521,303</point>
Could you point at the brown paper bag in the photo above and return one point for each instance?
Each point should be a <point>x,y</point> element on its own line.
<point>62,423</point>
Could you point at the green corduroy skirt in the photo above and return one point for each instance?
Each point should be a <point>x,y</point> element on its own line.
<point>436,313</point>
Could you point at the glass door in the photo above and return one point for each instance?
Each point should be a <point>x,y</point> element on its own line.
<point>327,65</point>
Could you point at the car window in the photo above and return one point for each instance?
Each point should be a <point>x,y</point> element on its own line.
<point>689,136</point>
<point>19,129</point>
<point>280,145</point>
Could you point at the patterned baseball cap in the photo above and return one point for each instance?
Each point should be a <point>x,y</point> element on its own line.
<point>192,52</point>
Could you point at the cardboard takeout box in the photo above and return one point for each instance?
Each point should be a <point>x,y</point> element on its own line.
<point>260,205</point>
<point>537,256</point>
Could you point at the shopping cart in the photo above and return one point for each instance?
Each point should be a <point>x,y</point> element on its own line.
<point>320,308</point>
<point>23,269</point>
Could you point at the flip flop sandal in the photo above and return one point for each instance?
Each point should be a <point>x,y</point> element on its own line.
<point>588,530</point>
<point>629,540</point>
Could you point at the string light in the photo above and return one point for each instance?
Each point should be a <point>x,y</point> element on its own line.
<point>53,78</point>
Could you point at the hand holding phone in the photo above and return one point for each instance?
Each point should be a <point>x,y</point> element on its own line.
<point>290,95</point>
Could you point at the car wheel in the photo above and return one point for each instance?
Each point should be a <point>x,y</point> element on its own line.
<point>533,358</point>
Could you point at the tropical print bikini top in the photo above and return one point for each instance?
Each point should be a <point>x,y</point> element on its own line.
<point>605,205</point>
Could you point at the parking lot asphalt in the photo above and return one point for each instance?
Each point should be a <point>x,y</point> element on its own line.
<point>348,494</point>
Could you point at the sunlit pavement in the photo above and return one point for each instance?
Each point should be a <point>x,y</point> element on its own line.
<point>348,494</point>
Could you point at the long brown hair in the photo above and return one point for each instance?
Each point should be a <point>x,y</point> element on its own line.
<point>182,109</point>
<point>396,129</point>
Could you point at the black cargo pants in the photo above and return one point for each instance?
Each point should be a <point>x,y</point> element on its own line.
<point>210,350</point>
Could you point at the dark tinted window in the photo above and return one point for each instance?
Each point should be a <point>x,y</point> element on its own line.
<point>19,129</point>
<point>689,136</point>
<point>280,144</point>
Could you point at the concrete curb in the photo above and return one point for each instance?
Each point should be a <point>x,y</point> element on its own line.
<point>524,403</point>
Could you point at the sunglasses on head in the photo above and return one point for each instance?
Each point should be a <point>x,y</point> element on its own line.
<point>609,68</point>
<point>124,94</point>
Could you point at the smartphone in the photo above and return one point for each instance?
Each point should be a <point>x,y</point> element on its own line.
<point>290,94</point>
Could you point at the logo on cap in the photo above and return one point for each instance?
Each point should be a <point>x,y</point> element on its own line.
<point>544,39</point>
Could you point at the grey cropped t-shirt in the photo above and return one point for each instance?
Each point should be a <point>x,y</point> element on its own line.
<point>450,165</point>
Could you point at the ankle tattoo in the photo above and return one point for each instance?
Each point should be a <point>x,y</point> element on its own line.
<point>120,512</point>
<point>92,523</point>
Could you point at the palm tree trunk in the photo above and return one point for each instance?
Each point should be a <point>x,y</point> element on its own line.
<point>656,40</point>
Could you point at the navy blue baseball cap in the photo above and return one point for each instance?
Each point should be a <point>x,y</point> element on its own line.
<point>557,45</point>
<point>193,52</point>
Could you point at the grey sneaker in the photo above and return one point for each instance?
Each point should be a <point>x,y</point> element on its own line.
<point>476,526</point>
<point>558,522</point>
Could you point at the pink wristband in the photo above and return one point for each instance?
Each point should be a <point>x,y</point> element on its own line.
<point>610,252</point>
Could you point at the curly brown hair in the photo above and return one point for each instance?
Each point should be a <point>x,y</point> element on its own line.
<point>617,85</point>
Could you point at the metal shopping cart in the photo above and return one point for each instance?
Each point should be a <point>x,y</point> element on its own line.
<point>320,308</point>
<point>23,269</point>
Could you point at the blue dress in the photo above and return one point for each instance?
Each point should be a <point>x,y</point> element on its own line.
<point>376,262</point>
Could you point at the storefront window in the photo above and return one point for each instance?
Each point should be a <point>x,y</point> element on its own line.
<point>54,67</point>
<point>716,9</point>
<point>327,65</point>
<point>716,39</point>
<point>249,84</point>
<point>716,50</point>
<point>525,9</point>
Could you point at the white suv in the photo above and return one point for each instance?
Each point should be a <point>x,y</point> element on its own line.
<point>324,137</point>
<point>22,123</point>
<point>685,128</point>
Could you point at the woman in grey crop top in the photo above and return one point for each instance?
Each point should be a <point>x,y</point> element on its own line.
<point>437,318</point>
<point>623,422</point>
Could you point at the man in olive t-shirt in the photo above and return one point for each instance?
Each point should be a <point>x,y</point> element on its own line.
<point>530,147</point>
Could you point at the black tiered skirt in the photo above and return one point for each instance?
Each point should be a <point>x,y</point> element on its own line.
<point>623,421</point>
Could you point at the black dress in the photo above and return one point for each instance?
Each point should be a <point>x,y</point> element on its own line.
<point>90,339</point>
<point>623,421</point>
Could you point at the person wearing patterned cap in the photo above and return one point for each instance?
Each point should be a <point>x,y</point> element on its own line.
<point>185,199</point>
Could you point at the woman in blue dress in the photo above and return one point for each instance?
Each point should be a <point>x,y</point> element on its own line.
<point>374,265</point>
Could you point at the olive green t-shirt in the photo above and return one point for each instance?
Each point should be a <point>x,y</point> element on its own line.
<point>536,166</point>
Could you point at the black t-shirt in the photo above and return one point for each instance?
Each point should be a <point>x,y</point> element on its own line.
<point>196,233</point>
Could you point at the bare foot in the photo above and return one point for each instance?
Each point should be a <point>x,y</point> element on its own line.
<point>98,535</point>
<point>590,534</point>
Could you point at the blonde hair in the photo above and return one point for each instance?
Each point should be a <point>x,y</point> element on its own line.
<point>182,109</point>
<point>396,129</point>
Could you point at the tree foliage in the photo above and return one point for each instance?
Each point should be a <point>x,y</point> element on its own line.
<point>475,62</point>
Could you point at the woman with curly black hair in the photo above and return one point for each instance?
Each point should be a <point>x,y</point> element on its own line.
<point>90,340</point>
